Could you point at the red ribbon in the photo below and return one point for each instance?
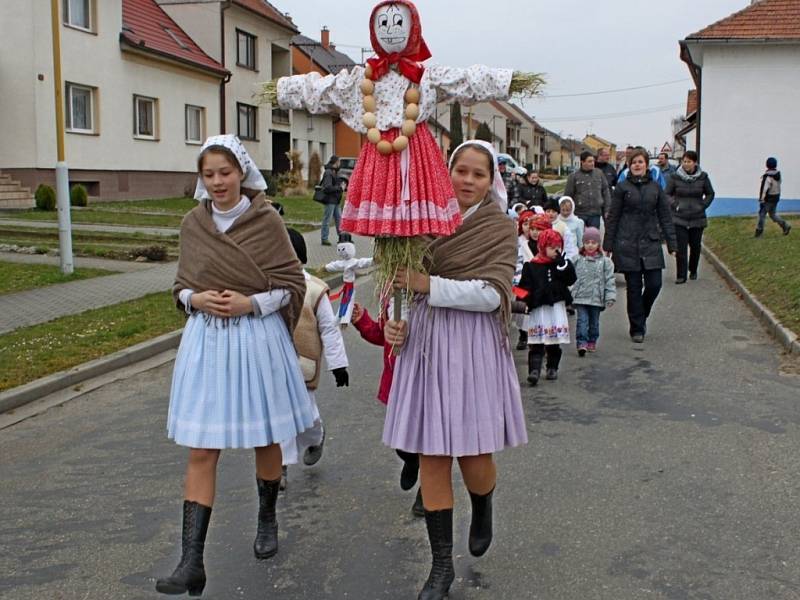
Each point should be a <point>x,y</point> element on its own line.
<point>410,69</point>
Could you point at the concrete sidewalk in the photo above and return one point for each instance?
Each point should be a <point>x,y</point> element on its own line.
<point>44,304</point>
<point>104,227</point>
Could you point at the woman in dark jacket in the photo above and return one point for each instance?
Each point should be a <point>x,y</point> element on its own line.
<point>639,207</point>
<point>690,193</point>
<point>332,187</point>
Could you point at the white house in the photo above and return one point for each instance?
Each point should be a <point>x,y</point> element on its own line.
<point>747,71</point>
<point>139,97</point>
<point>251,39</point>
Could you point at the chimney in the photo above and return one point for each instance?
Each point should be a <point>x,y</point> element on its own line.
<point>325,38</point>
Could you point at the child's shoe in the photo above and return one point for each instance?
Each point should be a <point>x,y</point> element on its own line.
<point>582,348</point>
<point>591,346</point>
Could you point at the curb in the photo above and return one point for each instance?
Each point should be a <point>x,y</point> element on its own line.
<point>18,396</point>
<point>787,338</point>
<point>24,394</point>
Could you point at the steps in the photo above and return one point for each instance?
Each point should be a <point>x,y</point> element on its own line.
<point>13,195</point>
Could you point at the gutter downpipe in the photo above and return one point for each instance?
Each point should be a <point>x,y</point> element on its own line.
<point>222,104</point>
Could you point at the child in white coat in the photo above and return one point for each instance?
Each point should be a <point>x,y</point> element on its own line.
<point>317,334</point>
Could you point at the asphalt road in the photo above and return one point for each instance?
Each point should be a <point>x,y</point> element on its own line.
<point>662,471</point>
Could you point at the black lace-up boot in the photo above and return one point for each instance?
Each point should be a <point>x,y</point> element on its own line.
<point>190,574</point>
<point>440,534</point>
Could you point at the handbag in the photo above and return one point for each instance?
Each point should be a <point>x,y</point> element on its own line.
<point>319,194</point>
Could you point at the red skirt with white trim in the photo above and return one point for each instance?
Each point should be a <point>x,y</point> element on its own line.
<point>375,204</point>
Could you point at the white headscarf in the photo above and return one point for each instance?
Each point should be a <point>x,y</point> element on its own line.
<point>253,180</point>
<point>498,190</point>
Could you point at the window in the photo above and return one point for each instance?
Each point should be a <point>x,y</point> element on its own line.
<point>310,151</point>
<point>195,124</point>
<point>245,50</point>
<point>80,108</point>
<point>78,13</point>
<point>145,115</point>
<point>323,152</point>
<point>246,121</point>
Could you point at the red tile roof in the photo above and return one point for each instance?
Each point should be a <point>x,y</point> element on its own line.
<point>148,28</point>
<point>691,103</point>
<point>265,9</point>
<point>766,19</point>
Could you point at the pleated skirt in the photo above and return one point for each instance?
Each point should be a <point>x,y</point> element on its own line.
<point>237,384</point>
<point>455,390</point>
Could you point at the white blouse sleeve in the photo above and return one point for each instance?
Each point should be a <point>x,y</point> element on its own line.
<point>473,295</point>
<point>185,296</point>
<point>477,83</point>
<point>331,334</point>
<point>338,94</point>
<point>267,303</point>
<point>336,266</point>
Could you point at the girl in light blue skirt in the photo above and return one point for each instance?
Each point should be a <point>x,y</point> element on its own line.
<point>237,382</point>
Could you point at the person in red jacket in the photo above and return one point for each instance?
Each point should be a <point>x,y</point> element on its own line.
<point>372,331</point>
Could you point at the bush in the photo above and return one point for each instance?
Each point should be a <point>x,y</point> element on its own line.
<point>314,169</point>
<point>78,196</point>
<point>45,197</point>
<point>154,253</point>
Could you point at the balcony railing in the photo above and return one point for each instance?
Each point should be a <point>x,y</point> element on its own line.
<point>280,116</point>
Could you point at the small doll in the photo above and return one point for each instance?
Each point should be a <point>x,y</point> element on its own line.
<point>348,264</point>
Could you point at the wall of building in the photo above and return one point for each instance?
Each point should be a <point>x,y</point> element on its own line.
<point>312,133</point>
<point>200,20</point>
<point>749,112</point>
<point>244,82</point>
<point>95,59</point>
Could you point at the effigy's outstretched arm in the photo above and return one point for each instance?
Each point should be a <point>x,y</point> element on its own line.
<point>480,83</point>
<point>331,94</point>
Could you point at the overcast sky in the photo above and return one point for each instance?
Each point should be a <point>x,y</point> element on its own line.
<point>582,46</point>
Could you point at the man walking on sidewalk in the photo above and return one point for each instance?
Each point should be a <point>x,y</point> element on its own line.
<point>332,188</point>
<point>589,188</point>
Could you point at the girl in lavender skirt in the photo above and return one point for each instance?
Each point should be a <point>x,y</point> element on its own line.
<point>456,392</point>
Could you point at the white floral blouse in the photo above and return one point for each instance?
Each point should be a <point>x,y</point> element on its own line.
<point>341,94</point>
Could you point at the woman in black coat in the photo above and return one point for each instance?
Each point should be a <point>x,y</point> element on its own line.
<point>690,193</point>
<point>639,213</point>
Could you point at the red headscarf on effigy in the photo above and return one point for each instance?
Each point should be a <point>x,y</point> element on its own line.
<point>408,60</point>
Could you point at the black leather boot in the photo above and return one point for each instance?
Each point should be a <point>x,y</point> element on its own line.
<point>534,367</point>
<point>266,544</point>
<point>480,528</point>
<point>410,472</point>
<point>440,535</point>
<point>522,342</point>
<point>190,574</point>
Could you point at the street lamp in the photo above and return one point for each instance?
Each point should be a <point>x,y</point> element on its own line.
<point>62,172</point>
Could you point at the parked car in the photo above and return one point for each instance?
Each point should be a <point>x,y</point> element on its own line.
<point>512,165</point>
<point>346,166</point>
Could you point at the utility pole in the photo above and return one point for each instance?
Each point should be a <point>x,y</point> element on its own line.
<point>62,172</point>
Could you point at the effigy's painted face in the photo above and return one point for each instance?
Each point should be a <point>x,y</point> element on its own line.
<point>392,27</point>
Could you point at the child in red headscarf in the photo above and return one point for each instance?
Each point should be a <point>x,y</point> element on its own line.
<point>547,279</point>
<point>524,255</point>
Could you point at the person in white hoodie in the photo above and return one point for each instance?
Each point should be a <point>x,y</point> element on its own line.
<point>576,225</point>
<point>317,334</point>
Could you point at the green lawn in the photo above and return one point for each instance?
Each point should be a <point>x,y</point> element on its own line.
<point>165,212</point>
<point>120,246</point>
<point>768,266</point>
<point>15,277</point>
<point>32,352</point>
<point>555,188</point>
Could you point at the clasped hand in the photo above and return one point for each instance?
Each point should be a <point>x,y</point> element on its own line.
<point>222,304</point>
<point>412,280</point>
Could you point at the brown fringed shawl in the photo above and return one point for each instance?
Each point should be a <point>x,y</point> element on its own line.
<point>253,256</point>
<point>484,247</point>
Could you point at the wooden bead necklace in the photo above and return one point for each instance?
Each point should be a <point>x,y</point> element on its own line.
<point>370,119</point>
